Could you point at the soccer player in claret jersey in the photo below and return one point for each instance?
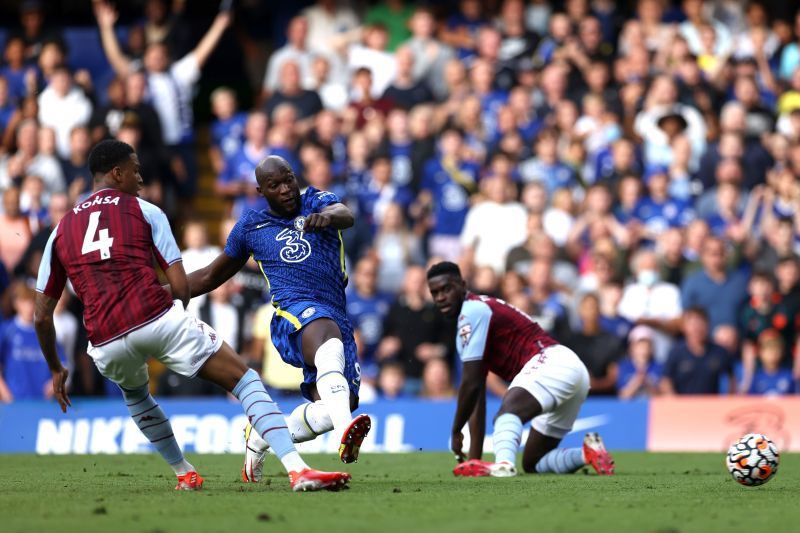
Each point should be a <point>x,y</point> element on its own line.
<point>106,246</point>
<point>548,385</point>
<point>297,244</point>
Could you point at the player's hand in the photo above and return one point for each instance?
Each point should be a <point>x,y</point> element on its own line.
<point>457,445</point>
<point>317,221</point>
<point>60,388</point>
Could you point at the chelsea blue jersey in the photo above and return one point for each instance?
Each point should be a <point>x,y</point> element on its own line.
<point>298,266</point>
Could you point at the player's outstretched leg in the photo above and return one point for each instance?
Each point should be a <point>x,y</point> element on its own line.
<point>226,369</point>
<point>154,424</point>
<point>308,421</point>
<point>323,348</point>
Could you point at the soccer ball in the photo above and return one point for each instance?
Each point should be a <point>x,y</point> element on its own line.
<point>753,460</point>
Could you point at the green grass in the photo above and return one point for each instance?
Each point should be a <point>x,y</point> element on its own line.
<point>409,493</point>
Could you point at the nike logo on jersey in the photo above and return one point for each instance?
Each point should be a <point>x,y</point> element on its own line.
<point>262,225</point>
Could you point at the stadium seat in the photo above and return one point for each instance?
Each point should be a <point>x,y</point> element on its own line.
<point>85,51</point>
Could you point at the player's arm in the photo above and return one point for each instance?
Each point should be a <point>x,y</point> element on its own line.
<point>477,427</point>
<point>178,282</point>
<point>471,390</point>
<point>50,284</point>
<point>46,333</point>
<point>208,278</point>
<point>335,215</point>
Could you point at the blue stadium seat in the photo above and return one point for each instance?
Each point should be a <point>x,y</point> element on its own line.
<point>86,50</point>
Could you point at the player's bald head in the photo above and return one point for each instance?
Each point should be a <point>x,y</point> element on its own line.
<point>272,165</point>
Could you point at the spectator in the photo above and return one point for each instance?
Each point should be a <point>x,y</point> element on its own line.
<point>654,303</point>
<point>14,69</point>
<point>493,226</point>
<point>75,168</point>
<point>363,106</point>
<point>447,183</point>
<point>414,332</point>
<point>391,381</point>
<point>227,131</point>
<point>547,303</point>
<point>461,29</point>
<point>237,180</point>
<point>63,106</point>
<point>695,365</point>
<point>170,85</point>
<point>57,207</point>
<point>436,382</point>
<point>7,108</point>
<point>657,211</point>
<point>639,374</point>
<point>34,32</point>
<point>715,289</point>
<point>15,233</point>
<point>24,374</point>
<point>763,311</point>
<point>405,91</point>
<point>396,248</point>
<point>378,193</point>
<point>367,308</point>
<point>430,55</point>
<point>772,378</point>
<point>290,91</point>
<point>332,92</point>
<point>371,54</point>
<point>218,312</point>
<point>327,19</point>
<point>546,166</point>
<point>294,51</point>
<point>598,350</point>
<point>394,16</point>
<point>275,373</point>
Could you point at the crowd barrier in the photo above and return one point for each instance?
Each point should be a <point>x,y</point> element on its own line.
<point>215,426</point>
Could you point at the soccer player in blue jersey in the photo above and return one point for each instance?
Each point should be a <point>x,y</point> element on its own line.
<point>298,247</point>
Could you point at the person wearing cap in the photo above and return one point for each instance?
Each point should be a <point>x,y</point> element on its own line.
<point>771,378</point>
<point>638,373</point>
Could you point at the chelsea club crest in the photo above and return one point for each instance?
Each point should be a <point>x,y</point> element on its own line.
<point>299,222</point>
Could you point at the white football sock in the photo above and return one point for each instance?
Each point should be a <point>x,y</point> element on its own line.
<point>332,385</point>
<point>308,421</point>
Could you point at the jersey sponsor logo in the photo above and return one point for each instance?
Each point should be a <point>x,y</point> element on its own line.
<point>464,333</point>
<point>308,312</point>
<point>98,200</point>
<point>296,249</point>
<point>299,223</point>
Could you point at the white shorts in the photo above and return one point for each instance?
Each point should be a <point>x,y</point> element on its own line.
<point>176,338</point>
<point>559,381</point>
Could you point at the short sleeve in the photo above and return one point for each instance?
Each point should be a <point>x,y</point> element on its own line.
<point>52,276</point>
<point>322,199</point>
<point>236,245</point>
<point>473,328</point>
<point>186,71</point>
<point>164,246</point>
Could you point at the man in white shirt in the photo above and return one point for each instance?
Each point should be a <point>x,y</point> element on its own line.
<point>494,226</point>
<point>294,50</point>
<point>63,106</point>
<point>651,302</point>
<point>170,87</point>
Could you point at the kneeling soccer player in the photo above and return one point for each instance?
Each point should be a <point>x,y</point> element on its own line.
<point>548,385</point>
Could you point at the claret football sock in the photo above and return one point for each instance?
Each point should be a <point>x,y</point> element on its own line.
<point>154,424</point>
<point>561,461</point>
<point>507,436</point>
<point>308,421</point>
<point>267,419</point>
<point>332,385</point>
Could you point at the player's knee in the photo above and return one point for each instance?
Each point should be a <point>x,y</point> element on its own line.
<point>529,464</point>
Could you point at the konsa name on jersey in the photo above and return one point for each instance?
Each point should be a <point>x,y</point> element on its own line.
<point>98,200</point>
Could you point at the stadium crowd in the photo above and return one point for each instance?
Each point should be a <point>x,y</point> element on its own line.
<point>626,173</point>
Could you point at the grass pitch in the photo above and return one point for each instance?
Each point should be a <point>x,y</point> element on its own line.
<point>411,493</point>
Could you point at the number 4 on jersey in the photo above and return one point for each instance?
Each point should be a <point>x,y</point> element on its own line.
<point>103,243</point>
